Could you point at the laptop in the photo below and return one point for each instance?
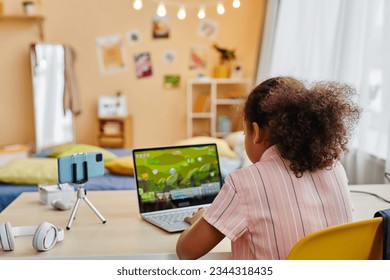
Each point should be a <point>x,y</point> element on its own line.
<point>172,182</point>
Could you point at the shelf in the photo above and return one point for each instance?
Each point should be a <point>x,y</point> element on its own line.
<point>212,104</point>
<point>201,115</point>
<point>111,135</point>
<point>230,101</point>
<point>113,118</point>
<point>115,131</point>
<point>22,17</point>
<point>38,19</point>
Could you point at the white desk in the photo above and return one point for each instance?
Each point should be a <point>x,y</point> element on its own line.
<point>126,235</point>
<point>366,205</point>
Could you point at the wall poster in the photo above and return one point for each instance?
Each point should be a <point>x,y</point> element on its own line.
<point>169,57</point>
<point>208,28</point>
<point>198,57</point>
<point>111,54</point>
<point>171,81</point>
<point>160,27</point>
<point>143,65</point>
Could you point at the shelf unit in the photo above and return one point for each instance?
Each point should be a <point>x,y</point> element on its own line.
<point>212,101</point>
<point>37,19</point>
<point>115,132</point>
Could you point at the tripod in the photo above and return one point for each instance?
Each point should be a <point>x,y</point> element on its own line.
<point>81,192</point>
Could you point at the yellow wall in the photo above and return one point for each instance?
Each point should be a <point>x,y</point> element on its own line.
<point>159,115</point>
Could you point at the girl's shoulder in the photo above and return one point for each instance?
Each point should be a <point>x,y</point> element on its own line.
<point>270,165</point>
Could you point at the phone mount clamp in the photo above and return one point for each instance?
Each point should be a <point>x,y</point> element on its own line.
<point>81,192</point>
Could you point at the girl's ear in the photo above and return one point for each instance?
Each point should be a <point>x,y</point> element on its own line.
<point>256,133</point>
<point>259,134</point>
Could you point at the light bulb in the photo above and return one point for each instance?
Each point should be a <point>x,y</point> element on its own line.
<point>236,3</point>
<point>137,5</point>
<point>181,14</point>
<point>201,13</point>
<point>161,10</point>
<point>220,8</point>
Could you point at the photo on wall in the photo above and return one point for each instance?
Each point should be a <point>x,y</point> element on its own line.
<point>169,57</point>
<point>111,54</point>
<point>143,65</point>
<point>171,81</point>
<point>208,28</point>
<point>198,57</point>
<point>133,37</point>
<point>161,28</point>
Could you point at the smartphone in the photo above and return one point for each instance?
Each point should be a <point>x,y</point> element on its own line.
<point>78,168</point>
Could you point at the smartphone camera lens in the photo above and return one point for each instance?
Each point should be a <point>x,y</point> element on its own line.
<point>99,157</point>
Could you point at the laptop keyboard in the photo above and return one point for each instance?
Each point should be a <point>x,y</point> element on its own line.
<point>171,217</point>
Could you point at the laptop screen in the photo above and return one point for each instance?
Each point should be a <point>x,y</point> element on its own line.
<point>176,176</point>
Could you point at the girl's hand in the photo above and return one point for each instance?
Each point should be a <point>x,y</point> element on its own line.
<point>199,238</point>
<point>196,215</point>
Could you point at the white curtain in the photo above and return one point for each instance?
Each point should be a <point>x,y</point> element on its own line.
<point>339,40</point>
<point>53,125</point>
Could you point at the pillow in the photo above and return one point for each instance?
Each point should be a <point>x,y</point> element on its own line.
<point>30,171</point>
<point>223,147</point>
<point>121,166</point>
<point>71,149</point>
<point>236,141</point>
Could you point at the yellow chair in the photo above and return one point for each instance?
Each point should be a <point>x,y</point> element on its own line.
<point>362,240</point>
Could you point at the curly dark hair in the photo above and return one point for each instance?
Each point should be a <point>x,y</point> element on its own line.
<point>310,126</point>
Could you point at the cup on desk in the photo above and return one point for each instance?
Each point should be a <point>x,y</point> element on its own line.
<point>28,7</point>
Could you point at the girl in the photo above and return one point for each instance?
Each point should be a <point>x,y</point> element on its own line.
<point>294,136</point>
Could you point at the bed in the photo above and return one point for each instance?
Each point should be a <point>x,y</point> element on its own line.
<point>118,174</point>
<point>110,181</point>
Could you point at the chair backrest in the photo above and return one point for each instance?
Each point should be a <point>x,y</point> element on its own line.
<point>362,240</point>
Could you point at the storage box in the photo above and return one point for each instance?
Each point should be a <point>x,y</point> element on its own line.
<point>50,193</point>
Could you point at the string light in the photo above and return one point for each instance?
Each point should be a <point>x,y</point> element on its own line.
<point>236,4</point>
<point>181,14</point>
<point>220,8</point>
<point>161,10</point>
<point>202,12</point>
<point>137,5</point>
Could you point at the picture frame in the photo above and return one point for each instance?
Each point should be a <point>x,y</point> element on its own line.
<point>171,81</point>
<point>161,27</point>
<point>111,106</point>
<point>143,65</point>
<point>111,54</point>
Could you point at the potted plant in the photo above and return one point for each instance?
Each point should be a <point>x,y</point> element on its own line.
<point>222,70</point>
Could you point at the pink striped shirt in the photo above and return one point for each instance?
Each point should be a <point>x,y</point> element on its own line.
<point>264,209</point>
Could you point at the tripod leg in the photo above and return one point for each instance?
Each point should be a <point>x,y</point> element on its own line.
<point>73,215</point>
<point>94,209</point>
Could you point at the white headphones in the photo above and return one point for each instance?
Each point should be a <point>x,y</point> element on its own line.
<point>45,236</point>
